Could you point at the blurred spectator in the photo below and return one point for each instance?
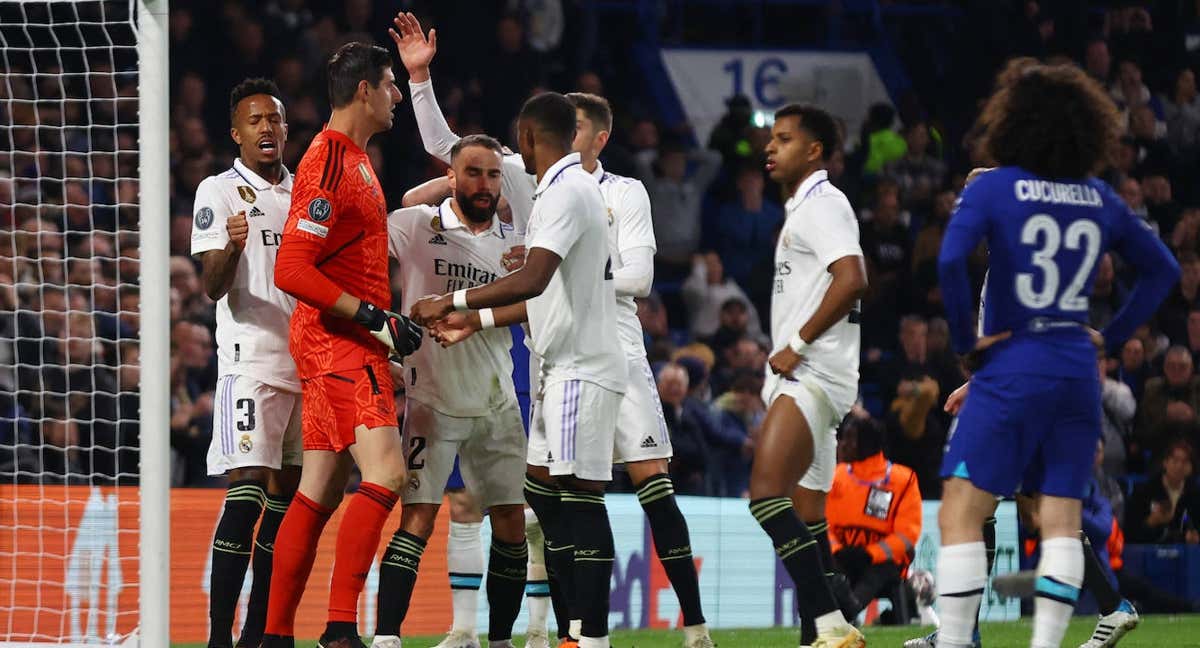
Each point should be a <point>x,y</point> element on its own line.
<point>887,247</point>
<point>1134,368</point>
<point>688,425</point>
<point>740,412</point>
<point>879,142</point>
<point>1172,316</point>
<point>1160,203</point>
<point>918,173</point>
<point>705,293</point>
<point>929,239</point>
<point>728,137</point>
<point>742,354</point>
<point>1150,137</point>
<point>1182,111</point>
<point>743,231</point>
<point>676,196</point>
<point>511,71</point>
<point>1129,92</point>
<point>1119,407</point>
<point>1097,61</point>
<point>1130,191</point>
<point>1172,398</point>
<point>735,325</point>
<point>657,335</point>
<point>874,514</point>
<point>911,392</point>
<point>1166,508</point>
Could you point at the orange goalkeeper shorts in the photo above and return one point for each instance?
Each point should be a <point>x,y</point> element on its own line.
<point>334,405</point>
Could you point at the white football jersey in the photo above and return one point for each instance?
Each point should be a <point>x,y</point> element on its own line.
<point>572,322</point>
<point>629,226</point>
<point>253,317</point>
<point>820,229</point>
<point>438,254</point>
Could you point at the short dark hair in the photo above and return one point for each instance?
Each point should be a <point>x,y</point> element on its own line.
<point>868,435</point>
<point>595,107</point>
<point>1054,121</point>
<point>249,88</point>
<point>354,62</point>
<point>553,114</point>
<point>819,123</point>
<point>479,139</point>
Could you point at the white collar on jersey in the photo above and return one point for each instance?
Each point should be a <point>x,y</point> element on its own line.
<point>598,174</point>
<point>257,182</point>
<point>815,178</point>
<point>553,172</point>
<point>450,220</point>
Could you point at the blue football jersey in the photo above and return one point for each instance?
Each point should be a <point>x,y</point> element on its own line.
<point>1045,239</point>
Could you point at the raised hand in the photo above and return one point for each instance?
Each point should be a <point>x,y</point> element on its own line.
<point>416,51</point>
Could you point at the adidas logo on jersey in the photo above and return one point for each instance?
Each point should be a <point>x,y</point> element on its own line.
<point>254,212</point>
<point>648,442</point>
<point>437,239</point>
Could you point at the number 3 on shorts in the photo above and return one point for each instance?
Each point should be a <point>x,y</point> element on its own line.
<point>245,407</point>
<point>416,445</point>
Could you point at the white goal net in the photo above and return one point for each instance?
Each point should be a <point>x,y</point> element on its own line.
<point>69,322</point>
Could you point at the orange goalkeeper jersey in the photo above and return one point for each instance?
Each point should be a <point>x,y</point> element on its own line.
<point>876,505</point>
<point>335,241</point>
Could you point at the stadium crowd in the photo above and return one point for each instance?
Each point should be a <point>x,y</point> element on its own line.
<point>68,293</point>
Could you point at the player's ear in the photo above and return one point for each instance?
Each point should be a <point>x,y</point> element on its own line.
<point>602,138</point>
<point>452,178</point>
<point>816,152</point>
<point>363,89</point>
<point>237,137</point>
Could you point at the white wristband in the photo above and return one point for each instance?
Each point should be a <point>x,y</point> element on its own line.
<point>460,299</point>
<point>797,344</point>
<point>487,319</point>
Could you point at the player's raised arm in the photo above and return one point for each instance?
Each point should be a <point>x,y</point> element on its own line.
<point>416,52</point>
<point>1157,273</point>
<point>430,192</point>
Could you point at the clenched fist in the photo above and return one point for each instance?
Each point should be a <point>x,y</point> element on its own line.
<point>238,229</point>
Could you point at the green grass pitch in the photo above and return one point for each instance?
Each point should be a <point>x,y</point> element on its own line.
<point>1154,632</point>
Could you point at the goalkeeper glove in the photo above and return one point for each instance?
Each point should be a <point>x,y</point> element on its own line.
<point>397,332</point>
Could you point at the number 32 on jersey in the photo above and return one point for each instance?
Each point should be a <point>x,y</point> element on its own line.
<point>1043,231</point>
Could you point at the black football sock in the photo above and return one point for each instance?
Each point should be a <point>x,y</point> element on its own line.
<point>594,553</point>
<point>507,567</point>
<point>397,577</point>
<point>820,533</point>
<point>672,543</point>
<point>1095,581</point>
<point>798,551</point>
<point>231,551</point>
<point>260,565</point>
<point>546,503</point>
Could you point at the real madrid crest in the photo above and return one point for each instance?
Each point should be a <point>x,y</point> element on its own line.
<point>610,216</point>
<point>247,194</point>
<point>245,444</point>
<point>436,224</point>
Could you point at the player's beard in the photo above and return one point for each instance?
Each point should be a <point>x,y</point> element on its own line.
<point>473,211</point>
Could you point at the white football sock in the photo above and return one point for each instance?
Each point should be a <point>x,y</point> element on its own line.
<point>961,577</point>
<point>464,560</point>
<point>1060,575</point>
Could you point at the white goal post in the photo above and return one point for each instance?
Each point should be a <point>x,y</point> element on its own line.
<point>84,323</point>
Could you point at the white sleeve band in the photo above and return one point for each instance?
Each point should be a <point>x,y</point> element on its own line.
<point>460,299</point>
<point>436,135</point>
<point>798,344</point>
<point>487,319</point>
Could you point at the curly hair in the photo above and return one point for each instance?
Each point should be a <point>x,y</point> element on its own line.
<point>1054,121</point>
